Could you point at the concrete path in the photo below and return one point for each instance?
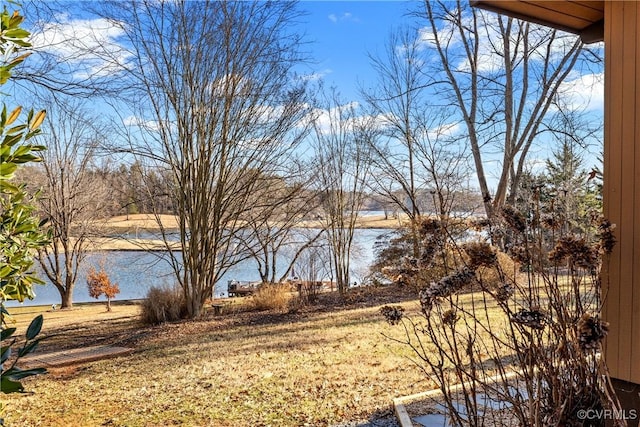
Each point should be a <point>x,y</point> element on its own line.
<point>439,419</point>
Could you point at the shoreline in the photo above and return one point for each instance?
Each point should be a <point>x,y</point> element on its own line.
<point>23,309</point>
<point>129,245</point>
<point>149,223</point>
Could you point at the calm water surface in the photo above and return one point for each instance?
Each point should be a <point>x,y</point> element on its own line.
<point>135,271</point>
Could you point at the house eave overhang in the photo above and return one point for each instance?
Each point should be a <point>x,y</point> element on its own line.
<point>585,18</point>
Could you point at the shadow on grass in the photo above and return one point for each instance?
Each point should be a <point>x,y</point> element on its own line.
<point>236,329</point>
<point>262,332</point>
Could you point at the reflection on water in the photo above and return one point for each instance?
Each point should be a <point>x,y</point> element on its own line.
<point>136,271</point>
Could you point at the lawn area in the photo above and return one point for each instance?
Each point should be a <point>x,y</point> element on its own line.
<point>323,365</point>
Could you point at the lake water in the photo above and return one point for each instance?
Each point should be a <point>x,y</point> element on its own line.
<point>137,271</point>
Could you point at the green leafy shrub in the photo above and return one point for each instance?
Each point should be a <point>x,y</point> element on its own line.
<point>20,229</point>
<point>11,376</point>
<point>20,234</point>
<point>163,305</point>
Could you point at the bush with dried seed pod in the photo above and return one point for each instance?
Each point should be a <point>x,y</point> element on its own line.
<point>576,251</point>
<point>480,254</point>
<point>591,331</point>
<point>553,351</point>
<point>392,313</point>
<point>449,284</point>
<point>450,317</point>
<point>514,219</point>
<point>504,292</point>
<point>606,236</point>
<point>534,319</point>
<point>550,221</point>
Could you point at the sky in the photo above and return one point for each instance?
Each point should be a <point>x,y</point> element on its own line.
<point>340,37</point>
<point>342,34</point>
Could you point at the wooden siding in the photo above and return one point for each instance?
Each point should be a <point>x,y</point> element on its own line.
<point>568,15</point>
<point>621,278</point>
<point>622,187</point>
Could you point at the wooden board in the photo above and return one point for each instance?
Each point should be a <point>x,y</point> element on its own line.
<point>572,16</point>
<point>622,187</point>
<point>73,356</point>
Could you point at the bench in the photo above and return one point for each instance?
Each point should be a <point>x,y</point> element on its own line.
<point>217,309</point>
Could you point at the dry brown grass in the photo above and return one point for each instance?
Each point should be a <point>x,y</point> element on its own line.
<point>149,222</point>
<point>162,305</point>
<point>141,222</point>
<point>320,366</point>
<point>271,297</point>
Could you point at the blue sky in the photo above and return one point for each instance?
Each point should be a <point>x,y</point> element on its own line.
<point>340,36</point>
<point>343,33</point>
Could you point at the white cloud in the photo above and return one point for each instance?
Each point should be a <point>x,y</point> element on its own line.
<point>583,92</point>
<point>319,75</point>
<point>90,46</point>
<point>346,16</point>
<point>231,84</point>
<point>334,119</point>
<point>448,35</point>
<point>445,130</point>
<point>427,38</point>
<point>135,121</point>
<point>267,114</point>
<point>491,44</point>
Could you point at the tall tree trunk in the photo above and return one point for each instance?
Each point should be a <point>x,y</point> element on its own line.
<point>66,298</point>
<point>502,76</point>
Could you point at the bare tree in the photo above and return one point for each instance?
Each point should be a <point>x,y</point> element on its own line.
<point>76,59</point>
<point>397,100</point>
<point>312,266</point>
<point>501,75</point>
<point>272,224</point>
<point>343,157</point>
<point>73,195</point>
<point>215,104</point>
<point>416,152</point>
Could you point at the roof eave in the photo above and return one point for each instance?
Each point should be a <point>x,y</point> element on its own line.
<point>592,34</point>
